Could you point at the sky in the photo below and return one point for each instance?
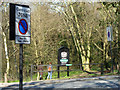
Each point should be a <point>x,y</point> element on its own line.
<point>25,1</point>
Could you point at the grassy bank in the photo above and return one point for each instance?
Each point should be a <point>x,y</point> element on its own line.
<point>63,75</point>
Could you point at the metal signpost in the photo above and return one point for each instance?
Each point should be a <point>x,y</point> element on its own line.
<point>63,59</point>
<point>20,28</point>
<point>110,38</point>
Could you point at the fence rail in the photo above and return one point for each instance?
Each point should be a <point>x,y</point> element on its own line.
<point>73,65</point>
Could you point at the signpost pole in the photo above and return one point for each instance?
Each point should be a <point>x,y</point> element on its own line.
<point>110,38</point>
<point>58,67</point>
<point>63,59</point>
<point>21,67</point>
<point>58,71</point>
<point>67,70</point>
<point>20,32</point>
<point>111,56</point>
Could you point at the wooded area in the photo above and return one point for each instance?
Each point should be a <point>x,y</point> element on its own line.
<point>80,26</point>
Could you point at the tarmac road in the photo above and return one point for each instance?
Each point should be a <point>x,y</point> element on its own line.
<point>103,82</point>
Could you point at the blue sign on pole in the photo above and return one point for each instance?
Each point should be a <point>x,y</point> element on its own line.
<point>23,26</point>
<point>109,33</point>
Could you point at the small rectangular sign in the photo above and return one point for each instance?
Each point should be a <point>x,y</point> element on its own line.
<point>22,40</point>
<point>109,33</point>
<point>63,60</point>
<point>68,64</point>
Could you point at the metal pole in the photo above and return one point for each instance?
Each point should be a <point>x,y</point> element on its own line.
<point>21,68</point>
<point>67,70</point>
<point>102,68</point>
<point>58,68</point>
<point>111,56</point>
<point>31,71</point>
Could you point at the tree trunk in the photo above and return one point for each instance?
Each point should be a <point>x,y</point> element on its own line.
<point>82,50</point>
<point>119,47</point>
<point>36,54</point>
<point>1,46</point>
<point>15,62</point>
<point>88,56</point>
<point>7,58</point>
<point>82,53</point>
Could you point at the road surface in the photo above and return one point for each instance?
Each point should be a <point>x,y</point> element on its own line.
<point>107,82</point>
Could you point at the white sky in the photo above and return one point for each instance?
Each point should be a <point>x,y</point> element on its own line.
<point>59,0</point>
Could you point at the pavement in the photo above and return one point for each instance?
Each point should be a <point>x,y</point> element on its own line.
<point>100,82</point>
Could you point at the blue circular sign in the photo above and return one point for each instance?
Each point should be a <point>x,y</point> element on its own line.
<point>23,26</point>
<point>108,34</point>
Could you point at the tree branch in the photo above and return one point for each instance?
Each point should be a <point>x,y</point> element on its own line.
<point>97,46</point>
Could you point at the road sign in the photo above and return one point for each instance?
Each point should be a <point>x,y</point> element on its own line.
<point>110,38</point>
<point>68,64</point>
<point>22,24</point>
<point>63,59</point>
<point>63,56</point>
<point>109,33</point>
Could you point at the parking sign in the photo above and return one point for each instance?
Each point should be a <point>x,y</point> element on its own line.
<point>22,24</point>
<point>109,33</point>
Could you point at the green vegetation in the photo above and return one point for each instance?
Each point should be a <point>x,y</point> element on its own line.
<point>80,26</point>
<point>63,75</point>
